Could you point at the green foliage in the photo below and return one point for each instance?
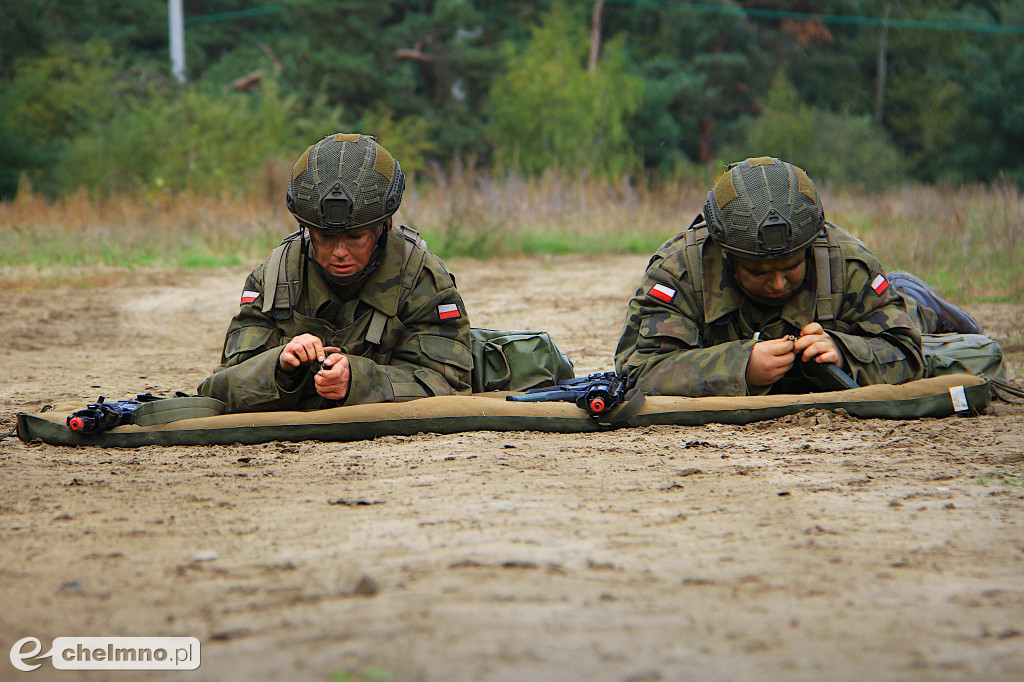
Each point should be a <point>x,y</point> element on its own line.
<point>49,100</point>
<point>702,74</point>
<point>678,83</point>
<point>838,149</point>
<point>15,156</point>
<point>407,139</point>
<point>549,111</point>
<point>996,110</point>
<point>55,95</point>
<point>193,140</point>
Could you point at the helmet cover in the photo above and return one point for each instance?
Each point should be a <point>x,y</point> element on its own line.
<point>345,182</point>
<point>764,208</point>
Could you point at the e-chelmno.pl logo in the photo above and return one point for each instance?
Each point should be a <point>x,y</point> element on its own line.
<point>109,653</point>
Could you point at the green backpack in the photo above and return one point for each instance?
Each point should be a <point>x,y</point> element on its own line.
<point>962,354</point>
<point>516,360</point>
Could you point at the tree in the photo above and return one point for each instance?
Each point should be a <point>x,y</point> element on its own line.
<point>702,72</point>
<point>549,112</point>
<point>841,149</point>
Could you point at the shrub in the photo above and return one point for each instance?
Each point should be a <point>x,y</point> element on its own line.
<point>837,149</point>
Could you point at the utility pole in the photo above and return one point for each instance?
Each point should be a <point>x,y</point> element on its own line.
<point>176,29</point>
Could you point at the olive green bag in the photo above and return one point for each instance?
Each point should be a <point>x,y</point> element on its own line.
<point>963,354</point>
<point>516,360</point>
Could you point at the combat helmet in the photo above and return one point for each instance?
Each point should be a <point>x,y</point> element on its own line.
<point>764,208</point>
<point>345,182</point>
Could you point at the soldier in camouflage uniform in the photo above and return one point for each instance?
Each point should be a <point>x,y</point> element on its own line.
<point>347,310</point>
<point>758,287</point>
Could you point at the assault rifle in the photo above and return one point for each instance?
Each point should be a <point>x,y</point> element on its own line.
<point>103,416</point>
<point>599,394</point>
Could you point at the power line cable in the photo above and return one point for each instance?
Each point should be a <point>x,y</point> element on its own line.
<point>239,14</point>
<point>703,8</point>
<point>854,19</point>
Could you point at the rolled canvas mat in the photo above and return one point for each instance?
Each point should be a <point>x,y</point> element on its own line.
<point>934,397</point>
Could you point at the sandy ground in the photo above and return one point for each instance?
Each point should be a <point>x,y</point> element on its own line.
<point>815,547</point>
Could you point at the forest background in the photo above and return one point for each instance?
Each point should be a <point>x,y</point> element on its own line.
<point>526,127</point>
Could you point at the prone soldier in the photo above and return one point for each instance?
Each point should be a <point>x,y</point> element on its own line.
<point>348,309</point>
<point>760,285</point>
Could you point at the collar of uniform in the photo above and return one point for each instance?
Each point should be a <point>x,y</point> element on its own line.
<point>722,294</point>
<point>799,310</point>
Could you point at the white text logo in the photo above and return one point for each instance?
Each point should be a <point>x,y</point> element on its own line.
<point>110,653</point>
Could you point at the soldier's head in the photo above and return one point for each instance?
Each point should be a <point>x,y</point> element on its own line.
<point>765,214</point>
<point>343,191</point>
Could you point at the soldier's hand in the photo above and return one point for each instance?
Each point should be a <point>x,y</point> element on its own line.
<point>304,349</point>
<point>332,382</point>
<point>769,361</point>
<point>815,344</point>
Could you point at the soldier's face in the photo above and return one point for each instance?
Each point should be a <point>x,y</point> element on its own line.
<point>346,253</point>
<point>770,281</point>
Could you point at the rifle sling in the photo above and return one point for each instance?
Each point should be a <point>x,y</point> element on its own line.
<point>172,409</point>
<point>631,404</point>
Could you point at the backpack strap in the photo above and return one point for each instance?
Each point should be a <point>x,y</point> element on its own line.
<point>276,288</point>
<point>415,254</point>
<point>828,272</point>
<point>375,332</point>
<point>694,256</point>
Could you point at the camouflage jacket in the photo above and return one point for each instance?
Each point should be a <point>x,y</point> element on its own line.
<point>673,344</point>
<point>423,348</point>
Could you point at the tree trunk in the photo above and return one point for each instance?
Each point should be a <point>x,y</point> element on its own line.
<point>595,36</point>
<point>882,68</point>
<point>706,144</point>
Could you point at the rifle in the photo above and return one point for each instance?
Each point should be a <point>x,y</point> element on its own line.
<point>598,394</point>
<point>103,416</point>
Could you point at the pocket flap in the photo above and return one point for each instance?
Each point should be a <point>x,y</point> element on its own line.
<point>447,351</point>
<point>246,339</point>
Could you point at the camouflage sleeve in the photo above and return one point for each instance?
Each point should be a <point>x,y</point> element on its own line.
<point>431,351</point>
<point>248,379</point>
<point>660,349</point>
<point>878,339</point>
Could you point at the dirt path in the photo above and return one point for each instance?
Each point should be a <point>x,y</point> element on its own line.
<point>807,548</point>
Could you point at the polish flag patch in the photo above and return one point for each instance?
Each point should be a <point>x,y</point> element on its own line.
<point>663,293</point>
<point>249,297</point>
<point>879,284</point>
<point>448,311</point>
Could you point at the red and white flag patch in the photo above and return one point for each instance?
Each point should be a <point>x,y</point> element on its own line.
<point>879,284</point>
<point>663,293</point>
<point>448,311</point>
<point>249,297</point>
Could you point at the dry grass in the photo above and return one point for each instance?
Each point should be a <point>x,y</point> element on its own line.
<point>967,241</point>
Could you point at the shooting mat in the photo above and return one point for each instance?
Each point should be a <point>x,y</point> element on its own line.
<point>934,397</point>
